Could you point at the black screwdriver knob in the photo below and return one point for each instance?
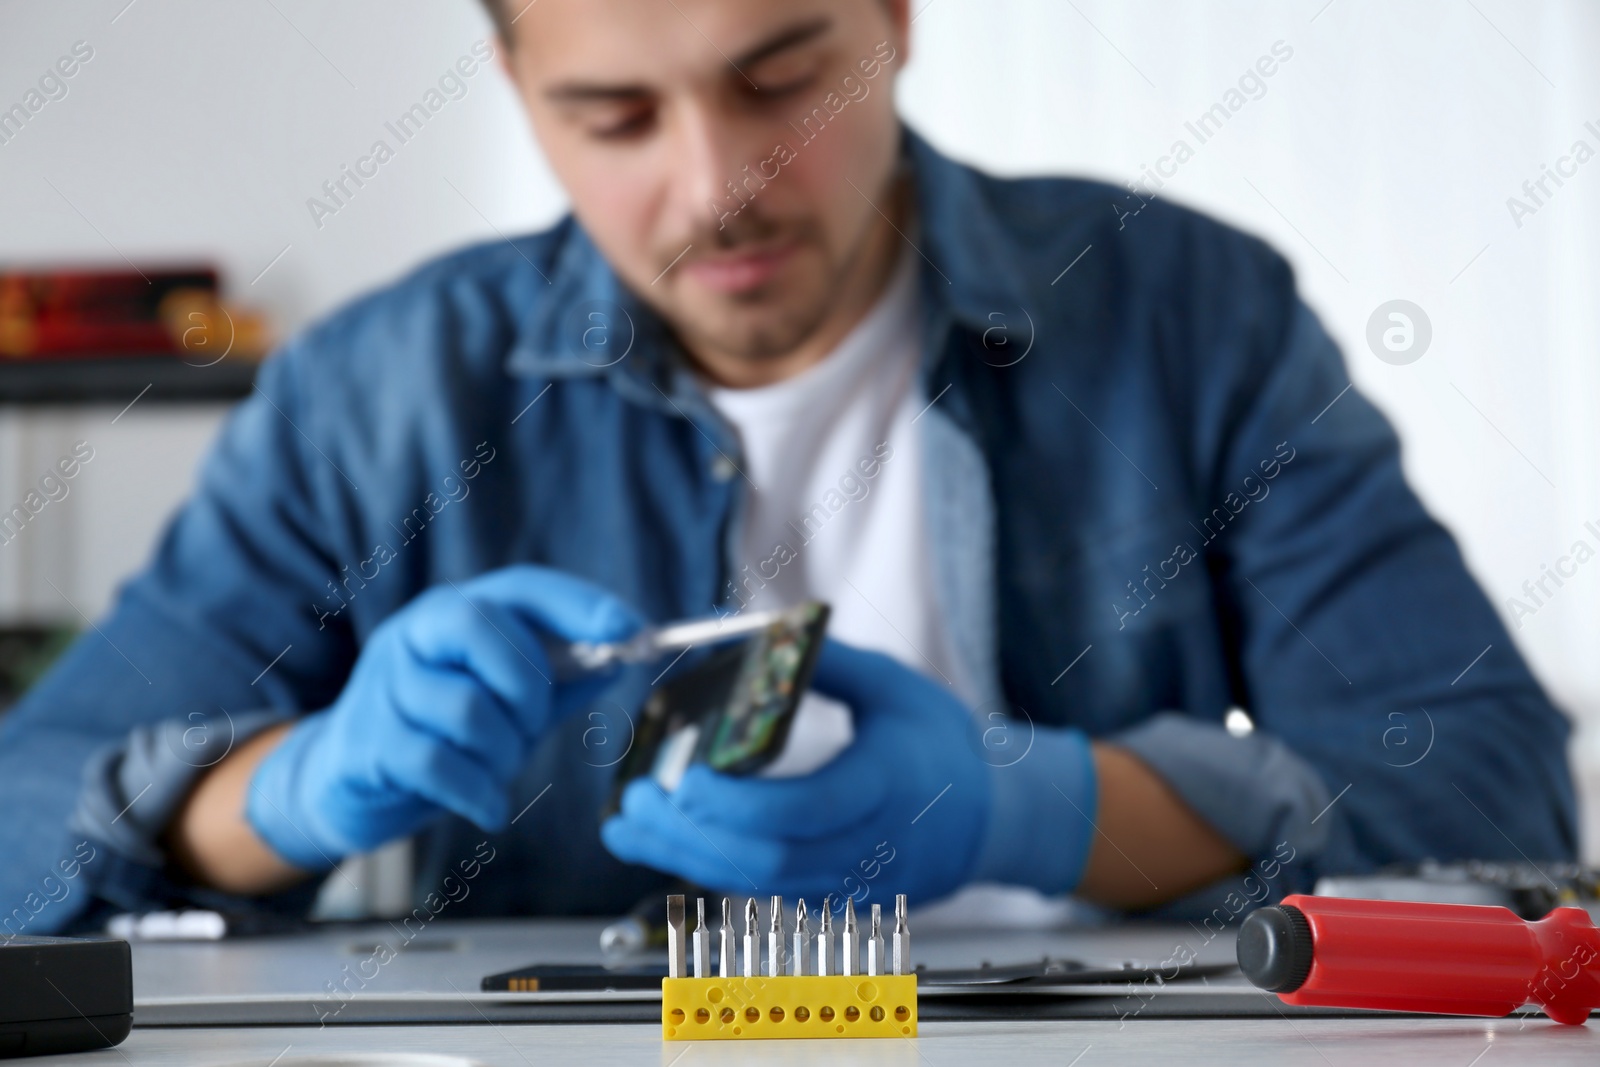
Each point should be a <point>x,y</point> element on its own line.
<point>1274,948</point>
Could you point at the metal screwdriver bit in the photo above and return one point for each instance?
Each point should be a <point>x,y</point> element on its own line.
<point>726,949</point>
<point>901,953</point>
<point>800,958</point>
<point>851,941</point>
<point>752,940</point>
<point>702,940</point>
<point>826,959</point>
<point>875,943</point>
<point>675,937</point>
<point>775,940</point>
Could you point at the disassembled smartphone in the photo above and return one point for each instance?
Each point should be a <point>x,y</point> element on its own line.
<point>732,706</point>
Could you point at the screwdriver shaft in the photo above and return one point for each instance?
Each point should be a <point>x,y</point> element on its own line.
<point>752,940</point>
<point>675,937</point>
<point>825,954</point>
<point>875,943</point>
<point>702,940</point>
<point>800,958</point>
<point>901,951</point>
<point>850,962</point>
<point>727,947</point>
<point>775,940</point>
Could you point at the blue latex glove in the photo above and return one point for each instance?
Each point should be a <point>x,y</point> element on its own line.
<point>921,802</point>
<point>445,704</point>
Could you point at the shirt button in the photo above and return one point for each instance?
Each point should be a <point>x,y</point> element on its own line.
<point>722,468</point>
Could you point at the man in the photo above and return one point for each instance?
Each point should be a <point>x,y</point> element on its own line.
<point>1081,485</point>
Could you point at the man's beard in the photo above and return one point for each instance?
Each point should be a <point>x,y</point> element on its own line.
<point>765,323</point>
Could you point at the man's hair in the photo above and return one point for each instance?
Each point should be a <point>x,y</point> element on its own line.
<point>502,21</point>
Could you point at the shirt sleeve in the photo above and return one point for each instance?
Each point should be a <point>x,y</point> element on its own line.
<point>132,788</point>
<point>213,641</point>
<point>1253,790</point>
<point>1395,719</point>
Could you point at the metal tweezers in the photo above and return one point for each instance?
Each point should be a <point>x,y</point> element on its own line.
<point>653,642</point>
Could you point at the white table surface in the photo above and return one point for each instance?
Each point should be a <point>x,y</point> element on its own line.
<point>1401,1042</point>
<point>448,960</point>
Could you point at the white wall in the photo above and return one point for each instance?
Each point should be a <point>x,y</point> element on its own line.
<point>1379,160</point>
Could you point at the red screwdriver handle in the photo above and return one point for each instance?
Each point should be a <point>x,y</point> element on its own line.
<point>1450,959</point>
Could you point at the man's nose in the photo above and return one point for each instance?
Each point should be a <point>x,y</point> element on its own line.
<point>710,180</point>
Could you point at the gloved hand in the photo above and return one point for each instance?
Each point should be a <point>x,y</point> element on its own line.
<point>447,700</point>
<point>917,803</point>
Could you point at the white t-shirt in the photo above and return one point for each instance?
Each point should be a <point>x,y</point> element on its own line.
<point>866,548</point>
<point>836,512</point>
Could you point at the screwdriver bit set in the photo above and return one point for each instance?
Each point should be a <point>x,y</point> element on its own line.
<point>787,985</point>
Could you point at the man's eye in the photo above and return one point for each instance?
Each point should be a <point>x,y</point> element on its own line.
<point>624,128</point>
<point>785,88</point>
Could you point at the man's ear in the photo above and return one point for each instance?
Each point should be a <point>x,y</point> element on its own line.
<point>502,59</point>
<point>900,18</point>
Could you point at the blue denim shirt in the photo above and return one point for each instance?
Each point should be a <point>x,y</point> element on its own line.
<point>1151,497</point>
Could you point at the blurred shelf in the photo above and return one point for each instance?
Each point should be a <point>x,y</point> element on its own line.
<point>25,653</point>
<point>119,379</point>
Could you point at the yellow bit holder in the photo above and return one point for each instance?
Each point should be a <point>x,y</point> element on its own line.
<point>790,1006</point>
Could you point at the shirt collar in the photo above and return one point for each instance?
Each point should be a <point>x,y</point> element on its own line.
<point>969,257</point>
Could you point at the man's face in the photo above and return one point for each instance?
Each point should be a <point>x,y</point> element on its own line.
<point>729,157</point>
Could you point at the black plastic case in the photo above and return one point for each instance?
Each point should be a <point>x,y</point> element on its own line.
<point>63,994</point>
